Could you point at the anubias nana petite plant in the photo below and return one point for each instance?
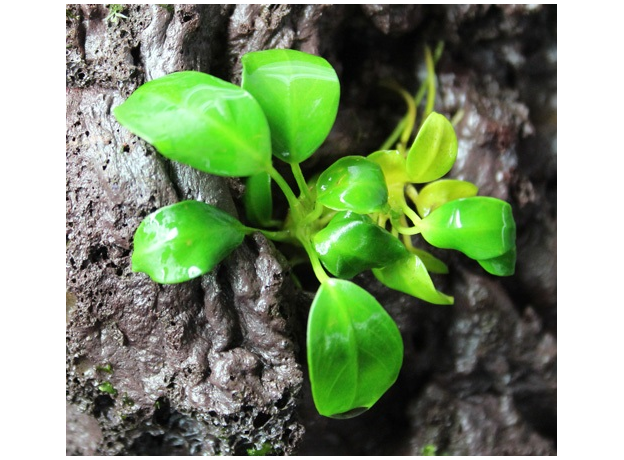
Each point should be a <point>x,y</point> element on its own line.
<point>359,214</point>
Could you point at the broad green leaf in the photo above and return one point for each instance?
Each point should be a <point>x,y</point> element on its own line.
<point>353,183</point>
<point>504,265</point>
<point>437,193</point>
<point>201,121</point>
<point>393,166</point>
<point>183,241</point>
<point>480,227</point>
<point>434,150</point>
<point>258,199</point>
<point>409,275</point>
<point>354,348</point>
<point>299,94</point>
<point>352,243</point>
<point>432,263</point>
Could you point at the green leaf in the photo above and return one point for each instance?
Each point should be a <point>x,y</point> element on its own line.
<point>258,199</point>
<point>392,164</point>
<point>432,263</point>
<point>299,94</point>
<point>409,275</point>
<point>183,241</point>
<point>437,193</point>
<point>504,265</point>
<point>352,243</point>
<point>480,227</point>
<point>352,183</point>
<point>202,121</point>
<point>354,348</point>
<point>434,150</point>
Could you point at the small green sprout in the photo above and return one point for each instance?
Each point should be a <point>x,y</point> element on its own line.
<point>266,449</point>
<point>107,387</point>
<point>107,368</point>
<point>359,214</point>
<point>114,13</point>
<point>429,450</point>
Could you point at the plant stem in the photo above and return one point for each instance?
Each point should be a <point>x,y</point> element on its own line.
<point>313,215</point>
<point>301,182</point>
<point>411,192</point>
<point>457,117</point>
<point>282,235</point>
<point>390,141</point>
<point>406,230</point>
<point>431,83</point>
<point>387,145</point>
<point>407,241</point>
<point>324,220</point>
<point>409,212</point>
<point>293,203</point>
<point>407,123</point>
<point>300,216</point>
<point>318,269</point>
<point>382,219</point>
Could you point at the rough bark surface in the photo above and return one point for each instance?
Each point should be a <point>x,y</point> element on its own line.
<point>216,365</point>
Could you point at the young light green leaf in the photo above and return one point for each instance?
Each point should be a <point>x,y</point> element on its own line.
<point>504,265</point>
<point>434,150</point>
<point>258,199</point>
<point>299,94</point>
<point>352,243</point>
<point>392,164</point>
<point>201,121</point>
<point>432,263</point>
<point>352,183</point>
<point>354,348</point>
<point>183,241</point>
<point>409,275</point>
<point>480,227</point>
<point>442,191</point>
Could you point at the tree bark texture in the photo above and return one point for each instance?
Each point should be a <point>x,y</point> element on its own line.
<point>217,365</point>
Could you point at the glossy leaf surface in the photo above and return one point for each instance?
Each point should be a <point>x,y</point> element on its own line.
<point>183,241</point>
<point>299,94</point>
<point>258,199</point>
<point>504,265</point>
<point>480,227</point>
<point>392,164</point>
<point>352,243</point>
<point>409,275</point>
<point>437,193</point>
<point>355,350</point>
<point>434,150</point>
<point>353,183</point>
<point>202,121</point>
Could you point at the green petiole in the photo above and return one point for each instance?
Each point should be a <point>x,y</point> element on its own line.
<point>428,87</point>
<point>281,235</point>
<point>318,269</point>
<point>431,83</point>
<point>301,182</point>
<point>293,203</point>
<point>302,216</point>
